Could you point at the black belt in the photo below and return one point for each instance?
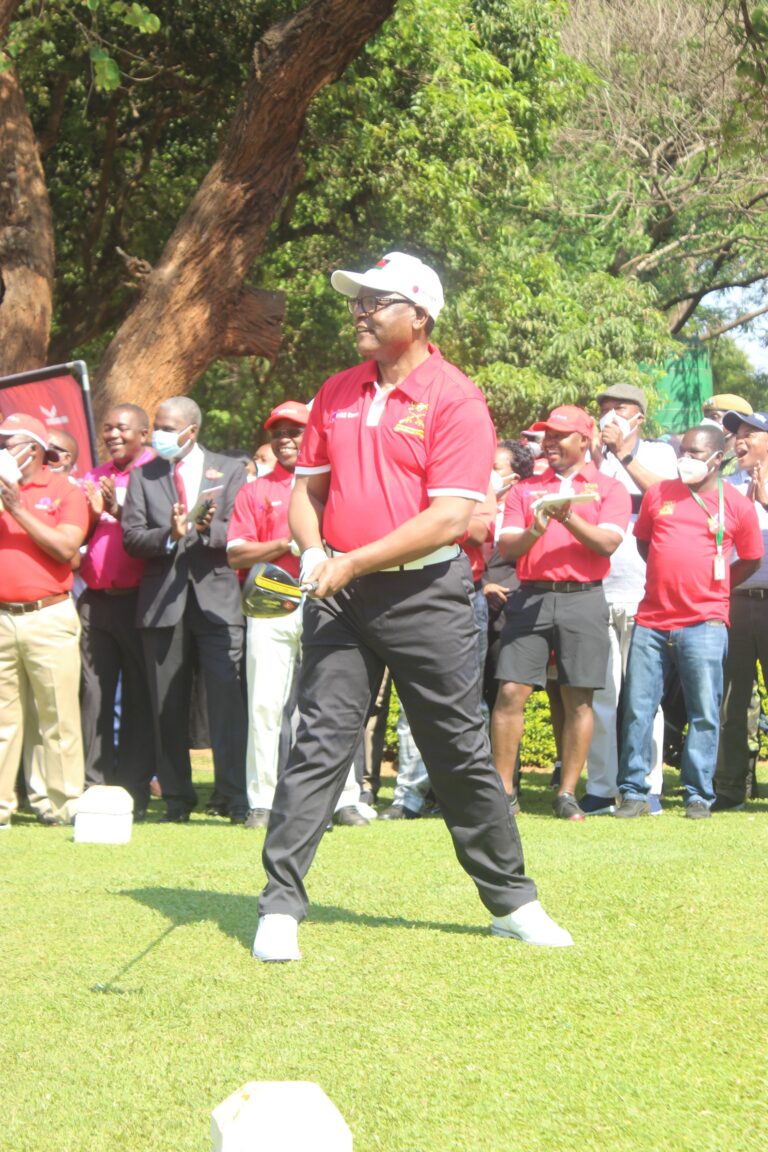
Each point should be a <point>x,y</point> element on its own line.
<point>20,608</point>
<point>114,591</point>
<point>560,585</point>
<point>755,593</point>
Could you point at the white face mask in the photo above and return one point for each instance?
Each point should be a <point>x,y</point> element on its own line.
<point>10,473</point>
<point>612,417</point>
<point>693,471</point>
<point>263,469</point>
<point>166,444</point>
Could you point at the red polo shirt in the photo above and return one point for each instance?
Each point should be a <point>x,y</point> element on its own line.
<point>260,514</point>
<point>680,588</point>
<point>389,454</point>
<point>106,563</point>
<point>558,555</point>
<point>26,571</point>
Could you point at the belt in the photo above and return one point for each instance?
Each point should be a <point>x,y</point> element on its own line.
<point>439,556</point>
<point>561,585</point>
<point>755,593</point>
<point>115,591</point>
<point>21,608</point>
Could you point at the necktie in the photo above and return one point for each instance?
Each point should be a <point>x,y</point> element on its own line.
<point>178,480</point>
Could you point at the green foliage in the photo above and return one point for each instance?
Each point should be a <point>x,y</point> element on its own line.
<point>538,745</point>
<point>732,371</point>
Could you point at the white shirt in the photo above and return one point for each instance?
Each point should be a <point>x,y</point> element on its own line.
<point>625,583</point>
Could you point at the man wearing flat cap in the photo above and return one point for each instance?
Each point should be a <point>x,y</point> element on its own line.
<point>43,522</point>
<point>635,463</point>
<point>397,453</point>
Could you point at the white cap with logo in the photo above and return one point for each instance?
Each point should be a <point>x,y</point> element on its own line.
<point>396,272</point>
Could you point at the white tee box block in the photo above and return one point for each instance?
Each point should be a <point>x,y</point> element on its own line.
<point>279,1116</point>
<point>104,816</point>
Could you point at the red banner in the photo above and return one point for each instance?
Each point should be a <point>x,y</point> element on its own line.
<point>58,403</point>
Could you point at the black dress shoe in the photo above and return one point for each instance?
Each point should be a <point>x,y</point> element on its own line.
<point>217,810</point>
<point>139,815</point>
<point>238,815</point>
<point>257,818</point>
<point>180,816</point>
<point>350,817</point>
<point>49,820</point>
<point>394,812</point>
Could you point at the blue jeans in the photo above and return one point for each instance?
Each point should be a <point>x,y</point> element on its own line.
<point>698,652</point>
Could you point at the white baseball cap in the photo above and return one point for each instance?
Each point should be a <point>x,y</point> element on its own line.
<point>396,272</point>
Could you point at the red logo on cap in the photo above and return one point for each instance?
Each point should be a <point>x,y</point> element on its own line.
<point>382,263</point>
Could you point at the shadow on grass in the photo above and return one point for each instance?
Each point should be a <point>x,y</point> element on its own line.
<point>236,914</point>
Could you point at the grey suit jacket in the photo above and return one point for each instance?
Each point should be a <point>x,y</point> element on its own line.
<point>198,557</point>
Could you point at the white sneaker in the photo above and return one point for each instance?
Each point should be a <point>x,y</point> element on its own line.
<point>532,925</point>
<point>276,938</point>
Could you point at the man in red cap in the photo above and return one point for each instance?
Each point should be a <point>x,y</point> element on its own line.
<point>562,528</point>
<point>258,532</point>
<point>43,522</point>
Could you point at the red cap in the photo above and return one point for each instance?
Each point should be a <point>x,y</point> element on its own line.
<point>290,410</point>
<point>19,424</point>
<point>566,418</point>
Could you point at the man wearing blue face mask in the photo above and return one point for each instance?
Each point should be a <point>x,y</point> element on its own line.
<point>687,530</point>
<point>175,519</point>
<point>620,452</point>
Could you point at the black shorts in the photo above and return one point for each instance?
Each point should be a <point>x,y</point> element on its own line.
<point>573,624</point>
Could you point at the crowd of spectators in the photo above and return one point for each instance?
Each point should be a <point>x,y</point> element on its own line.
<point>606,568</point>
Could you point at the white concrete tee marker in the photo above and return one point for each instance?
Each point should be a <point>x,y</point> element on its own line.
<point>279,1116</point>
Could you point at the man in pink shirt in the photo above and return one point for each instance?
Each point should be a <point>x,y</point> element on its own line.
<point>110,645</point>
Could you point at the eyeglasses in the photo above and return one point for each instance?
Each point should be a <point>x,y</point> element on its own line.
<point>367,305</point>
<point>291,433</point>
<point>58,448</point>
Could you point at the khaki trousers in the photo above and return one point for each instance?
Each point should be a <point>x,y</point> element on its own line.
<point>40,658</point>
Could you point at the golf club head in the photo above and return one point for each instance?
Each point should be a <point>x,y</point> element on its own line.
<point>268,592</point>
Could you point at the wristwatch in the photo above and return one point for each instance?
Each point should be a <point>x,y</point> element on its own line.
<point>626,460</point>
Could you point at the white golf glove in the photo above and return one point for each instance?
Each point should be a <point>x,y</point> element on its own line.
<point>310,558</point>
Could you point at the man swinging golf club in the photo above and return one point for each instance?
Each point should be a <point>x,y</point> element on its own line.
<point>395,456</point>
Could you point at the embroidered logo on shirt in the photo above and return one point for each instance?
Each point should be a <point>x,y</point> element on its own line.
<point>667,508</point>
<point>338,415</point>
<point>412,423</point>
<point>46,504</point>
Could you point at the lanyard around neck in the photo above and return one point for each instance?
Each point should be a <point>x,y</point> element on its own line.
<point>720,512</point>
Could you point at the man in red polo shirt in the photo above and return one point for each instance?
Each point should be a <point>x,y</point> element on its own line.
<point>687,531</point>
<point>258,532</point>
<point>42,525</point>
<point>563,551</point>
<point>110,644</point>
<point>397,453</point>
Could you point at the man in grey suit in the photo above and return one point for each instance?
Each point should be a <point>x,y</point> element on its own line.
<point>175,519</point>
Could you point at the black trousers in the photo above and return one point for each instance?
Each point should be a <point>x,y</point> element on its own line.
<point>168,653</point>
<point>421,625</point>
<point>111,651</point>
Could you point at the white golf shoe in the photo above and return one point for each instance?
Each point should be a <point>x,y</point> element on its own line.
<point>532,925</point>
<point>276,938</point>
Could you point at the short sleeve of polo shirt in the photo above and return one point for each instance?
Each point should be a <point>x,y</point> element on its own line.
<point>643,526</point>
<point>242,523</point>
<point>73,507</point>
<point>313,454</point>
<point>462,442</point>
<point>515,510</point>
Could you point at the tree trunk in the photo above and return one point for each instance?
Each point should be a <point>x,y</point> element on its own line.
<point>26,236</point>
<point>194,306</point>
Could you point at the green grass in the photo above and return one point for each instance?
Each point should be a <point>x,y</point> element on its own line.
<point>132,1006</point>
